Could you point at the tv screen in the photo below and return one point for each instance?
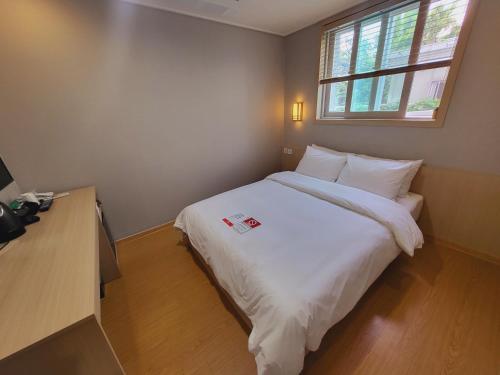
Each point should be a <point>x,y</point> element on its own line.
<point>5,176</point>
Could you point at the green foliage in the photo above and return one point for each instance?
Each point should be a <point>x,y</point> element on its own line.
<point>342,54</point>
<point>368,45</point>
<point>403,30</point>
<point>338,95</point>
<point>361,95</point>
<point>394,106</point>
<point>441,19</point>
<point>424,105</point>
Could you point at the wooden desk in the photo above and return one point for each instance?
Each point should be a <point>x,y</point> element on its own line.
<point>49,294</point>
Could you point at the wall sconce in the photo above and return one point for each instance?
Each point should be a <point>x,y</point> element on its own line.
<point>297,111</point>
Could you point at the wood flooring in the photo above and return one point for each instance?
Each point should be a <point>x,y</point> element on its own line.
<point>436,313</point>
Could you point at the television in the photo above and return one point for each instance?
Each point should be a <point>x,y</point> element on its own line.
<point>8,187</point>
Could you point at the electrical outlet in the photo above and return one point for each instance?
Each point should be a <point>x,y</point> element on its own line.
<point>290,151</point>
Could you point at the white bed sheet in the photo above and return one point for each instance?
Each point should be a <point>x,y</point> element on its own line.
<point>306,266</point>
<point>413,203</point>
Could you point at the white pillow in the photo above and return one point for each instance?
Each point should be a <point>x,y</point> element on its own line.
<point>405,186</point>
<point>414,167</point>
<point>320,164</point>
<point>382,177</point>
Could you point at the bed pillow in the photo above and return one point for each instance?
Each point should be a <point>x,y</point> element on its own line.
<point>405,186</point>
<point>414,167</point>
<point>382,177</point>
<point>320,164</point>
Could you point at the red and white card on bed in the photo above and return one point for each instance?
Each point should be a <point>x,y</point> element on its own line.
<point>241,223</point>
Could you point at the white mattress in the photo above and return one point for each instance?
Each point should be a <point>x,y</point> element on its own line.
<point>413,203</point>
<point>319,247</point>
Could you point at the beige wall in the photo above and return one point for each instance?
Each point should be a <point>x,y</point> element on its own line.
<point>157,110</point>
<point>470,138</point>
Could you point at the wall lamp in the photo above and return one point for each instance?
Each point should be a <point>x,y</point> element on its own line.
<point>297,111</point>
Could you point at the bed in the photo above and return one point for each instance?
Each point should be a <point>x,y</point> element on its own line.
<point>295,254</point>
<point>413,203</point>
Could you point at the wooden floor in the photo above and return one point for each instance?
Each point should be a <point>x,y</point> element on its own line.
<point>437,313</point>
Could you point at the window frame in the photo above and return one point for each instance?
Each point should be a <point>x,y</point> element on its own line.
<point>390,118</point>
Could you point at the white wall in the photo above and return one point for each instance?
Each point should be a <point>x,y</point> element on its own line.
<point>156,109</point>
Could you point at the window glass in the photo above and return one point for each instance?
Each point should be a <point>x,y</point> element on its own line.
<point>368,45</point>
<point>399,36</point>
<point>390,64</point>
<point>442,29</point>
<point>425,94</point>
<point>389,92</point>
<point>361,94</point>
<point>338,92</point>
<point>342,50</point>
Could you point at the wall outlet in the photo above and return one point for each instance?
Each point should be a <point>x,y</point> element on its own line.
<point>287,150</point>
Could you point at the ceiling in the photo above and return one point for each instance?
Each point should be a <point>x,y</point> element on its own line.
<point>281,17</point>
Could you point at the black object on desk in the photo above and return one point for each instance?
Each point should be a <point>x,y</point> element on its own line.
<point>27,213</point>
<point>11,225</point>
<point>45,205</point>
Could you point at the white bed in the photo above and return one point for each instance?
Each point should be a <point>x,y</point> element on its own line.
<point>413,203</point>
<point>319,247</point>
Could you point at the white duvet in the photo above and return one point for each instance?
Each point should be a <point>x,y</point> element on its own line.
<point>319,247</point>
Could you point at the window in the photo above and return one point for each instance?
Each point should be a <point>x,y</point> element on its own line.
<point>436,89</point>
<point>390,62</point>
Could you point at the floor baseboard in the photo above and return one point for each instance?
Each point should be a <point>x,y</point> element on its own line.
<point>471,252</point>
<point>144,233</point>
